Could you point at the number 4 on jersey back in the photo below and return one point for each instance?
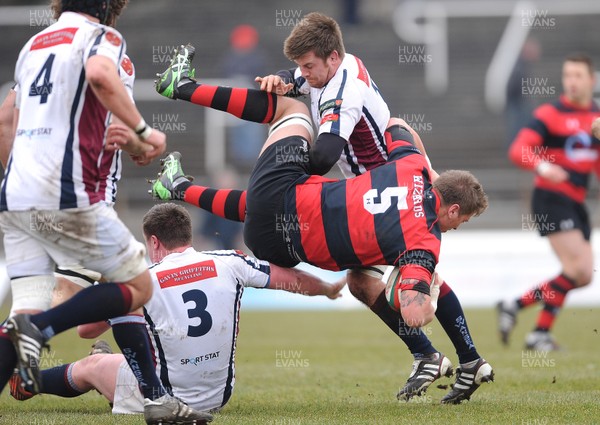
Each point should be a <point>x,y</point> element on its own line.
<point>45,88</point>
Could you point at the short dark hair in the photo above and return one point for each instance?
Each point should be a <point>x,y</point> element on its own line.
<point>170,223</point>
<point>462,188</point>
<point>317,33</point>
<point>581,58</point>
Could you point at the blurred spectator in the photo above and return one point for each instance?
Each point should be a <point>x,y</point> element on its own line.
<point>244,61</point>
<point>519,107</point>
<point>216,232</point>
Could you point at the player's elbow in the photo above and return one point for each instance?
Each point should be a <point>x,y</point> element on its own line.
<point>321,164</point>
<point>523,151</point>
<point>7,113</point>
<point>416,315</point>
<point>6,117</point>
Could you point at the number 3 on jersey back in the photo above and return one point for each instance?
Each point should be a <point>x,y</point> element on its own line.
<point>200,300</point>
<point>45,88</point>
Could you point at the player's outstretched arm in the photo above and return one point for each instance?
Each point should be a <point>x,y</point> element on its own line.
<point>301,282</point>
<point>525,153</point>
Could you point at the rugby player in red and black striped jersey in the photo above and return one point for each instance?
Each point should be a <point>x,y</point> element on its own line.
<point>390,215</point>
<point>559,147</point>
<point>345,77</point>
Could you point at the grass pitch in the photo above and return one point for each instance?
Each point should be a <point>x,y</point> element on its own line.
<point>344,367</point>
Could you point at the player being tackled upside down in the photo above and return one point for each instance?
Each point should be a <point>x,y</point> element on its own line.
<point>378,218</point>
<point>352,119</point>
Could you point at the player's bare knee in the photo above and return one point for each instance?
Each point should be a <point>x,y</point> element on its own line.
<point>87,372</point>
<point>416,317</point>
<point>91,361</point>
<point>64,290</point>
<point>32,293</point>
<point>84,370</point>
<point>299,108</point>
<point>140,297</point>
<point>146,295</point>
<point>583,276</point>
<point>141,289</point>
<point>580,270</point>
<point>365,284</point>
<point>355,284</point>
<point>355,288</point>
<point>287,106</point>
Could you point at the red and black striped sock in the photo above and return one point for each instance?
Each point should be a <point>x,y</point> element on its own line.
<point>532,296</point>
<point>553,296</point>
<point>226,203</point>
<point>247,104</point>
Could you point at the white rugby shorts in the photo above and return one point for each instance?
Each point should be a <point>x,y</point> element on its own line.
<point>128,398</point>
<point>92,237</point>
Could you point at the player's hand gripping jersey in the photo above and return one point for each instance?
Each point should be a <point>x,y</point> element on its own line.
<point>53,165</point>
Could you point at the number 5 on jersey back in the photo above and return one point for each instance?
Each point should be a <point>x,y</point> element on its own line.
<point>385,200</point>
